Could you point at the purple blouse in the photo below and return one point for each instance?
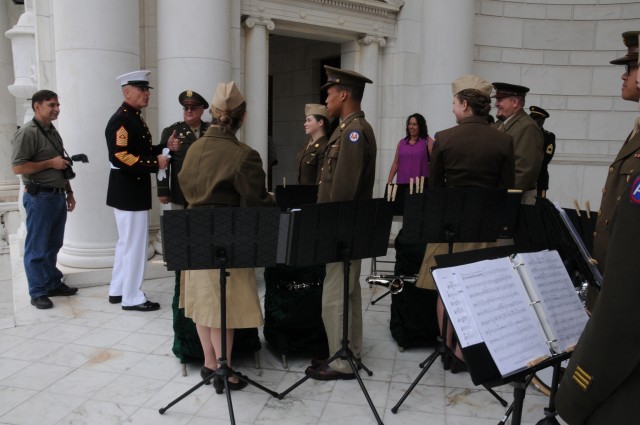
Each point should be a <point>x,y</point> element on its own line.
<point>412,160</point>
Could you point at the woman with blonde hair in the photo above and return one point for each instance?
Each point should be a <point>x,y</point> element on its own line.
<point>221,171</point>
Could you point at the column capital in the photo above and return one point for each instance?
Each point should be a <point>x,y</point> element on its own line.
<point>252,21</point>
<point>370,39</point>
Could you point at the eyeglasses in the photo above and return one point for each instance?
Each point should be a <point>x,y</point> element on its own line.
<point>193,108</point>
<point>629,67</point>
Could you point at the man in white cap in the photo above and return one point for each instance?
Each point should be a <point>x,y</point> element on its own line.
<point>133,158</point>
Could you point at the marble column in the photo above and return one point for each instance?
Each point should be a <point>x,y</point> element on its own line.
<point>256,87</point>
<point>445,55</point>
<point>86,67</point>
<point>190,59</point>
<point>369,54</point>
<point>9,183</point>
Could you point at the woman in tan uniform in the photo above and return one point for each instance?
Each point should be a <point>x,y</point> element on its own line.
<point>317,125</point>
<point>220,171</point>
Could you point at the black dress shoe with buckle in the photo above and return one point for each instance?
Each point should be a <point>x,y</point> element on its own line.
<point>328,374</point>
<point>115,299</point>
<point>41,302</point>
<point>62,291</point>
<point>146,306</point>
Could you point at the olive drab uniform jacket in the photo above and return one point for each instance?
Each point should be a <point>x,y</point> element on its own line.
<point>170,186</point>
<point>601,384</point>
<point>133,158</point>
<point>310,159</point>
<point>528,147</point>
<point>626,163</point>
<point>234,177</point>
<point>348,171</point>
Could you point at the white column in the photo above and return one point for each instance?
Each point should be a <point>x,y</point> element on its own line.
<point>9,183</point>
<point>369,54</point>
<point>256,88</point>
<point>86,67</point>
<point>442,62</point>
<point>196,54</point>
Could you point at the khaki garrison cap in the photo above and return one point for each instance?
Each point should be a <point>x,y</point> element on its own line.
<point>227,97</point>
<point>316,109</point>
<point>471,82</point>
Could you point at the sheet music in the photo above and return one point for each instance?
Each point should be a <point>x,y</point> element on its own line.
<point>459,312</point>
<point>500,307</point>
<point>551,282</point>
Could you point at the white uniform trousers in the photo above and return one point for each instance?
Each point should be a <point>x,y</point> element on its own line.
<point>131,256</point>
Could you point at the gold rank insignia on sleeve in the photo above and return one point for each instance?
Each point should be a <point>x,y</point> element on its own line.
<point>122,137</point>
<point>582,378</point>
<point>127,158</point>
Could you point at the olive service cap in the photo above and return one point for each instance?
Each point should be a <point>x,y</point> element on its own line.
<point>191,96</point>
<point>471,82</point>
<point>135,78</point>
<point>508,90</point>
<point>316,109</point>
<point>227,97</point>
<point>630,39</point>
<point>344,77</point>
<point>537,111</point>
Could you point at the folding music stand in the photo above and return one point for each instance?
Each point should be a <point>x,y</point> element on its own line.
<point>483,369</point>
<point>337,232</point>
<point>220,238</point>
<point>294,196</point>
<point>450,215</point>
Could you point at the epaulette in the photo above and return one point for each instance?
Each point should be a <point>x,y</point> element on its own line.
<point>177,123</point>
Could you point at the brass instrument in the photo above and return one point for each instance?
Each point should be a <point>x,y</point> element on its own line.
<point>393,283</point>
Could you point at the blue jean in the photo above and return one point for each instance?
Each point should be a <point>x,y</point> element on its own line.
<point>46,218</point>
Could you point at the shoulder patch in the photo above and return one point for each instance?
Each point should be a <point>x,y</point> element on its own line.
<point>122,136</point>
<point>635,191</point>
<point>354,136</point>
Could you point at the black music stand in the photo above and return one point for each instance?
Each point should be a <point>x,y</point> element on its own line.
<point>483,369</point>
<point>294,196</point>
<point>450,215</point>
<point>337,232</point>
<point>220,238</point>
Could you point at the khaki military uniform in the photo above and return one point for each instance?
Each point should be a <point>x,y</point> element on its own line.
<point>348,174</point>
<point>170,186</point>
<point>471,154</point>
<point>220,171</point>
<point>310,159</point>
<point>601,384</point>
<point>528,145</point>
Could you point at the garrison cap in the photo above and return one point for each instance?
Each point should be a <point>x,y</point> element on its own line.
<point>471,82</point>
<point>227,97</point>
<point>630,39</point>
<point>316,109</point>
<point>344,77</point>
<point>537,112</point>
<point>508,90</point>
<point>191,96</point>
<point>135,78</point>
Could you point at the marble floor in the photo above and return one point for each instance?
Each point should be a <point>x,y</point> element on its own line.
<point>89,362</point>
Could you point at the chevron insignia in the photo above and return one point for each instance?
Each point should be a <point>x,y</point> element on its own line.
<point>122,137</point>
<point>127,158</point>
<point>582,378</point>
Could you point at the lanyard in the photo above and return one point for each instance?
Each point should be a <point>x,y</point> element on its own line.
<point>60,149</point>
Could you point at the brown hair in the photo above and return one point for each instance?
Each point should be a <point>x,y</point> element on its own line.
<point>478,101</point>
<point>228,120</point>
<point>41,96</point>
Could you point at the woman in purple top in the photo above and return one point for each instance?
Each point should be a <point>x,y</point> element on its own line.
<point>413,152</point>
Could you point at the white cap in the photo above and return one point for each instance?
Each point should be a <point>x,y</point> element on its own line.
<point>135,78</point>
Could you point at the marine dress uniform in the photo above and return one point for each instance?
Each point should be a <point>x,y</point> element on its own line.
<point>133,158</point>
<point>348,174</point>
<point>601,384</point>
<point>220,171</point>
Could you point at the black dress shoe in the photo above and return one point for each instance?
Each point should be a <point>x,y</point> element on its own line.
<point>146,306</point>
<point>42,302</point>
<point>235,386</point>
<point>205,372</point>
<point>62,291</point>
<point>115,299</point>
<point>328,374</point>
